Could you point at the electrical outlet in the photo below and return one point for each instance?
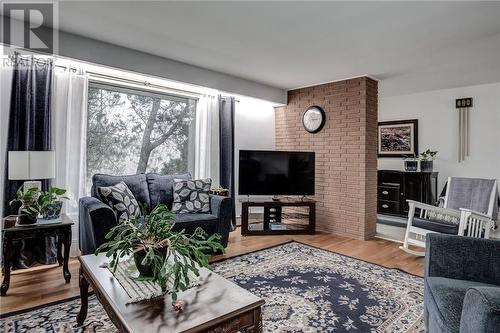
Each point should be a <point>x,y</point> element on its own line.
<point>463,102</point>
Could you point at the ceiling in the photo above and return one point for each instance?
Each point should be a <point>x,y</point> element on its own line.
<point>409,46</point>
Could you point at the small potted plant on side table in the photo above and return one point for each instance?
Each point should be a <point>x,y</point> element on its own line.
<point>35,202</point>
<point>160,253</point>
<point>427,160</point>
<point>29,210</point>
<point>51,202</point>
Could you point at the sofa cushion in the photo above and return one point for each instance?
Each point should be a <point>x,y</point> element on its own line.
<point>189,222</point>
<point>161,187</point>
<point>137,184</point>
<point>192,196</point>
<point>448,295</point>
<point>121,200</point>
<point>441,227</point>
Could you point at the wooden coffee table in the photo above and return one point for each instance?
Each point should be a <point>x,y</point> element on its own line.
<point>216,306</point>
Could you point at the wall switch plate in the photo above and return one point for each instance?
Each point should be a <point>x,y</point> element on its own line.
<point>463,102</point>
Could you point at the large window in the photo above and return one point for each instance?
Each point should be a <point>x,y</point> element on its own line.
<point>133,131</point>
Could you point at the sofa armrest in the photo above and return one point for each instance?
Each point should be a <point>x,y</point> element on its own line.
<point>96,219</point>
<point>222,207</point>
<point>481,310</point>
<point>463,258</point>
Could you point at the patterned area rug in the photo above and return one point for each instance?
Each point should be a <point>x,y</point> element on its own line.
<point>306,290</point>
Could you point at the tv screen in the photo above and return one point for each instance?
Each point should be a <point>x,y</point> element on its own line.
<point>276,173</point>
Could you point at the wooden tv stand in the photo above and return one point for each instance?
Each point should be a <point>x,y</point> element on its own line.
<point>273,222</point>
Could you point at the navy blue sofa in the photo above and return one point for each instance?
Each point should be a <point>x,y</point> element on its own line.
<point>97,218</point>
<point>462,284</point>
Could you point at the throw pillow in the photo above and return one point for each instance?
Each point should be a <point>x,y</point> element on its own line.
<point>443,217</point>
<point>192,196</point>
<point>121,200</point>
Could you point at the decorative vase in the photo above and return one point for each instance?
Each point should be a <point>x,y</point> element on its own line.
<point>146,270</point>
<point>26,219</point>
<point>426,165</point>
<point>411,165</point>
<point>53,211</point>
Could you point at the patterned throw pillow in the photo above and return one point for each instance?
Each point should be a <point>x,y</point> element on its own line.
<point>443,217</point>
<point>121,200</point>
<point>192,196</point>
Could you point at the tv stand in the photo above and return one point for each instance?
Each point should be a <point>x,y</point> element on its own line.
<point>274,222</point>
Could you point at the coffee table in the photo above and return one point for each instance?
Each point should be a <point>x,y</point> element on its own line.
<point>217,305</point>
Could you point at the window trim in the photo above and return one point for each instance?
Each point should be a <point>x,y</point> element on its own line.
<point>137,91</point>
<point>129,89</point>
<point>141,85</point>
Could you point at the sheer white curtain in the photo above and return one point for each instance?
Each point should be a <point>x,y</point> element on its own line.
<point>69,134</point>
<point>206,161</point>
<point>5,89</point>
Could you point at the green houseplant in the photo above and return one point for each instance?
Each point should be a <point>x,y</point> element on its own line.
<point>51,202</point>
<point>29,210</point>
<point>160,253</point>
<point>426,160</point>
<point>35,202</point>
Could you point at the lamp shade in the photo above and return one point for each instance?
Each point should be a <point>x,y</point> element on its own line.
<point>28,165</point>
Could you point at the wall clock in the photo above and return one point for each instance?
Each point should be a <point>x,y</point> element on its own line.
<point>314,119</point>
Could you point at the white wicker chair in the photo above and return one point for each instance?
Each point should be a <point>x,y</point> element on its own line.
<point>474,220</point>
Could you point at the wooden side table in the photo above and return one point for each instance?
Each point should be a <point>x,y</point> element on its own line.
<point>62,231</point>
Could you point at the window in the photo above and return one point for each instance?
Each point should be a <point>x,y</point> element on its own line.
<point>133,131</point>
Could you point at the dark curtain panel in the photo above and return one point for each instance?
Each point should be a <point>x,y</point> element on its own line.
<point>226,128</point>
<point>29,129</point>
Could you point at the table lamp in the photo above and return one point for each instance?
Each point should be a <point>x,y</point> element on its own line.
<point>31,166</point>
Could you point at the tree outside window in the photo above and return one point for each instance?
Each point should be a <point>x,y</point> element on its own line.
<point>132,131</point>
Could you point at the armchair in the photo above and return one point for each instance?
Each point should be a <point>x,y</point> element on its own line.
<point>461,284</point>
<point>469,209</point>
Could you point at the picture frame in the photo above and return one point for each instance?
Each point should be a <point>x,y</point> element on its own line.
<point>397,138</point>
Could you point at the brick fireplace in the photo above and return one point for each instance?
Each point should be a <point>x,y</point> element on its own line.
<point>346,152</point>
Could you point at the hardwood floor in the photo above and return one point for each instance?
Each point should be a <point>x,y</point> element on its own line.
<point>44,284</point>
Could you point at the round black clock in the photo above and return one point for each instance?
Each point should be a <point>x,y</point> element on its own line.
<point>314,119</point>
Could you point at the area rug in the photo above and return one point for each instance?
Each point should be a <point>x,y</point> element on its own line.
<point>306,289</point>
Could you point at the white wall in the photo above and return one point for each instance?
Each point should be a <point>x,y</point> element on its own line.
<point>98,52</point>
<point>253,129</point>
<point>438,129</point>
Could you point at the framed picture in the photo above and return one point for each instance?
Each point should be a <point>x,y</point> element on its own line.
<point>398,138</point>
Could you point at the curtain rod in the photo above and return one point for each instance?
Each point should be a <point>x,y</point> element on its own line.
<point>145,83</point>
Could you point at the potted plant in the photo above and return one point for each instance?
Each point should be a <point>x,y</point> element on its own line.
<point>29,210</point>
<point>159,252</point>
<point>51,202</point>
<point>426,160</point>
<point>35,202</point>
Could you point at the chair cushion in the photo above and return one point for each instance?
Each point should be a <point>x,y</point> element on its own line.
<point>121,200</point>
<point>441,227</point>
<point>448,295</point>
<point>189,222</point>
<point>136,183</point>
<point>161,187</point>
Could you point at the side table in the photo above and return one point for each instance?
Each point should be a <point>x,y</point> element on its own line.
<point>61,229</point>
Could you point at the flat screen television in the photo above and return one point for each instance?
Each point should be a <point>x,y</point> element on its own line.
<point>276,173</point>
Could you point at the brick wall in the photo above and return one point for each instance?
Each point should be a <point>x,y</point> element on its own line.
<point>346,152</point>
